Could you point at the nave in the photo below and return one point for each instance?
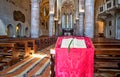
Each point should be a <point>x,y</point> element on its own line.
<point>106,64</point>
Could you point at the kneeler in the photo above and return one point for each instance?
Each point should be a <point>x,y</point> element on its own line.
<point>79,62</point>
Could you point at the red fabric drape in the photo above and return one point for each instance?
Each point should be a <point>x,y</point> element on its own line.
<point>78,63</point>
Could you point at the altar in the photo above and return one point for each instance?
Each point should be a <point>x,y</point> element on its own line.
<point>79,62</point>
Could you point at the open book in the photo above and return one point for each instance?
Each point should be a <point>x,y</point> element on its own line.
<point>73,43</point>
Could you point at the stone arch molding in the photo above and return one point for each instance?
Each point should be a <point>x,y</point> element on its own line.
<point>68,7</point>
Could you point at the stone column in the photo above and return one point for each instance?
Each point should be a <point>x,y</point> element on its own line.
<point>51,17</point>
<point>77,27</point>
<point>71,21</point>
<point>63,21</point>
<point>89,18</point>
<point>35,18</point>
<point>51,23</point>
<point>67,21</point>
<point>56,27</point>
<point>59,28</point>
<point>81,17</point>
<point>81,23</point>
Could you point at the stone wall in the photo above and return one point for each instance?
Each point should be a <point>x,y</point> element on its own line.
<point>110,21</point>
<point>7,7</point>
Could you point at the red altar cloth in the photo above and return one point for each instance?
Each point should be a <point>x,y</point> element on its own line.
<point>78,63</point>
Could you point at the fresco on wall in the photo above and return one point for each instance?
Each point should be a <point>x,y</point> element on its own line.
<point>10,1</point>
<point>18,16</point>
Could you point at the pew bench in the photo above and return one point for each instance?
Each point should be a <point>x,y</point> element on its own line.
<point>2,66</point>
<point>8,54</point>
<point>22,48</point>
<point>107,55</point>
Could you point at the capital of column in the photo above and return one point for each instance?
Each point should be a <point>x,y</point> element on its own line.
<point>35,1</point>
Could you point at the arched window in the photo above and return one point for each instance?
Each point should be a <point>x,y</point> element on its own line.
<point>67,17</point>
<point>67,14</point>
<point>26,32</point>
<point>18,30</point>
<point>10,32</point>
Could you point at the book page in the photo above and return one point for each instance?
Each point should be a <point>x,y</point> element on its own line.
<point>76,43</point>
<point>79,43</point>
<point>65,43</point>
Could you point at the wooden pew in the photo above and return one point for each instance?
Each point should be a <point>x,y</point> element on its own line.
<point>31,42</point>
<point>32,45</point>
<point>46,41</point>
<point>1,64</point>
<point>13,54</point>
<point>22,46</point>
<point>18,45</point>
<point>105,40</point>
<point>3,36</point>
<point>107,51</point>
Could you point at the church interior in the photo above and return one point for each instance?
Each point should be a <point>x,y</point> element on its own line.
<point>29,30</point>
